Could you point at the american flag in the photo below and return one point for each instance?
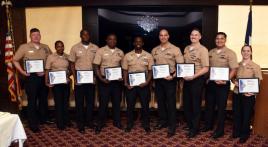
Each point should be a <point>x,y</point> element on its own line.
<point>10,68</point>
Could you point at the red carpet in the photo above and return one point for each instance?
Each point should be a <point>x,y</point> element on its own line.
<point>111,136</point>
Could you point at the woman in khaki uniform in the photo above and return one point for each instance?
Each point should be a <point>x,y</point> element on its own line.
<point>243,104</point>
<point>59,62</point>
<point>192,90</point>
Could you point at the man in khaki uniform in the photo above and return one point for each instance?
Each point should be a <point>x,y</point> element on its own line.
<point>165,89</point>
<point>192,89</point>
<point>217,91</point>
<point>81,58</point>
<point>35,87</point>
<point>138,60</point>
<point>106,57</point>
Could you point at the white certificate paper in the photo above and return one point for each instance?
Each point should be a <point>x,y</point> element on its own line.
<point>34,66</point>
<point>57,77</point>
<point>185,70</point>
<point>219,73</point>
<point>84,76</point>
<point>135,79</point>
<point>160,71</point>
<point>114,73</point>
<point>248,85</point>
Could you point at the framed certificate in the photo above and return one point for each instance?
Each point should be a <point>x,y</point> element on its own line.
<point>160,71</point>
<point>57,77</point>
<point>219,73</point>
<point>248,85</point>
<point>34,66</point>
<point>185,69</point>
<point>113,73</point>
<point>135,79</point>
<point>84,76</point>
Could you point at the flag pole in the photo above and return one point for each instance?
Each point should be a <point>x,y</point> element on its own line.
<point>8,5</point>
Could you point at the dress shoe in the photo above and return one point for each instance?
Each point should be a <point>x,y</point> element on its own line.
<point>35,130</point>
<point>186,128</point>
<point>98,129</point>
<point>192,134</point>
<point>234,136</point>
<point>243,139</point>
<point>160,126</point>
<point>170,134</point>
<point>61,128</point>
<point>118,125</point>
<point>47,122</point>
<point>147,129</point>
<point>69,124</point>
<point>81,130</point>
<point>216,135</point>
<point>91,125</point>
<point>128,129</point>
<point>205,129</point>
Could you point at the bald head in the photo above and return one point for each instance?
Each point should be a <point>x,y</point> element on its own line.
<point>163,36</point>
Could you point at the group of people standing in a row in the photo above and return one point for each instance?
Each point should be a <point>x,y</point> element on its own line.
<point>87,56</point>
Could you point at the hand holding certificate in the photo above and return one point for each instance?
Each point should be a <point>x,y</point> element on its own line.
<point>57,77</point>
<point>135,79</point>
<point>160,71</point>
<point>84,77</point>
<point>185,70</point>
<point>248,85</point>
<point>219,74</point>
<point>114,73</point>
<point>34,66</point>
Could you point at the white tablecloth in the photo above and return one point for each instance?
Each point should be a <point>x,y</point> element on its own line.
<point>11,129</point>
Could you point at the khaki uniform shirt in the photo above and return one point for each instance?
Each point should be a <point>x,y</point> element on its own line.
<point>106,58</point>
<point>83,57</point>
<point>249,70</point>
<point>28,51</point>
<point>223,58</point>
<point>134,63</point>
<point>56,62</point>
<point>197,55</point>
<point>170,55</point>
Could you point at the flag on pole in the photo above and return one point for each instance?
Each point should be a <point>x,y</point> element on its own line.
<point>10,68</point>
<point>249,27</point>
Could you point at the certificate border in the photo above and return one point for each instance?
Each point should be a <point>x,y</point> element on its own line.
<point>219,67</point>
<point>159,65</point>
<point>57,71</point>
<point>33,60</point>
<point>249,78</point>
<point>136,73</point>
<point>84,70</point>
<point>183,63</point>
<point>113,67</point>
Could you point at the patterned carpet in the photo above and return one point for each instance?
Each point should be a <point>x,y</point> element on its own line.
<point>111,136</point>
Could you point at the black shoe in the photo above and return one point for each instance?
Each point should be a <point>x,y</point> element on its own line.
<point>160,126</point>
<point>170,134</point>
<point>91,125</point>
<point>205,129</point>
<point>216,135</point>
<point>186,128</point>
<point>191,134</point>
<point>81,130</point>
<point>69,124</point>
<point>35,130</point>
<point>243,139</point>
<point>234,136</point>
<point>118,125</point>
<point>147,129</point>
<point>61,128</point>
<point>47,122</point>
<point>98,129</point>
<point>128,129</point>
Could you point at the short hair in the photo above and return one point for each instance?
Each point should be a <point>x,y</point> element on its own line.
<point>83,30</point>
<point>222,33</point>
<point>58,41</point>
<point>138,36</point>
<point>197,29</point>
<point>34,30</point>
<point>111,34</point>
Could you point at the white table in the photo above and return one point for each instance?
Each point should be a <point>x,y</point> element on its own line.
<point>11,129</point>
